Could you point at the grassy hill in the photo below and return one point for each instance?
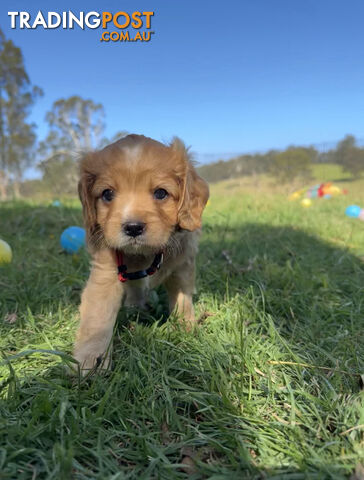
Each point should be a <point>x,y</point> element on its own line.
<point>267,387</point>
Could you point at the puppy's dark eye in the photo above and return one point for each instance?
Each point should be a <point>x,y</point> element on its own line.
<point>107,195</point>
<point>160,193</point>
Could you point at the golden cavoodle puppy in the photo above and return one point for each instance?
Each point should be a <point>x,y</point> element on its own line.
<point>142,205</point>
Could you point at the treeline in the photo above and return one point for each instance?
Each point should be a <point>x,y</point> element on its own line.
<point>288,165</point>
<point>76,125</point>
<point>17,135</point>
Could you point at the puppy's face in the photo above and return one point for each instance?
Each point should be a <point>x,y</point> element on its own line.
<point>136,191</point>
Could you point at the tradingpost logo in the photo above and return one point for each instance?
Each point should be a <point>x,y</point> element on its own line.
<point>117,27</point>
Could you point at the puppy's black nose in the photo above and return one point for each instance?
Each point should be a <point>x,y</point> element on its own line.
<point>134,229</point>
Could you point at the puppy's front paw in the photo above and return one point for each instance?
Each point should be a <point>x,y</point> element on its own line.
<point>90,359</point>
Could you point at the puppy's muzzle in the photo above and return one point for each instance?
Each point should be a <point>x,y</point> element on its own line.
<point>134,229</point>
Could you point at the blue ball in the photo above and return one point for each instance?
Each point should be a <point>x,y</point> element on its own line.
<point>56,203</point>
<point>353,211</point>
<point>72,239</point>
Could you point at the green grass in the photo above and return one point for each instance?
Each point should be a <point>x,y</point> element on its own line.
<point>268,387</point>
<point>330,172</point>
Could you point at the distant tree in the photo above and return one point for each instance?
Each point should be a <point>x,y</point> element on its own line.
<point>311,152</point>
<point>346,143</point>
<point>349,156</point>
<point>243,165</point>
<point>290,165</point>
<point>60,174</point>
<point>328,156</point>
<point>75,126</point>
<point>34,188</point>
<point>17,136</point>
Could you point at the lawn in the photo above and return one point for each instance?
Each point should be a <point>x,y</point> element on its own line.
<point>268,387</point>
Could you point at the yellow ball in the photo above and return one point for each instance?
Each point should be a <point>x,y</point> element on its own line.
<point>306,202</point>
<point>5,252</point>
<point>294,195</point>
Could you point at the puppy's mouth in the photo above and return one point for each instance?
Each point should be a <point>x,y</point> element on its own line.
<point>136,242</point>
<point>146,243</point>
<point>138,245</point>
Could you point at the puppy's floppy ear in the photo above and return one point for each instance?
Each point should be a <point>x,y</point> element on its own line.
<point>194,190</point>
<point>88,174</point>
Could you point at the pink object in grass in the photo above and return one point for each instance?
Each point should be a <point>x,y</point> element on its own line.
<point>361,214</point>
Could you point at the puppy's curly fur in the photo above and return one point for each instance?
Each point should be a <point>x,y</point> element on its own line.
<point>120,186</point>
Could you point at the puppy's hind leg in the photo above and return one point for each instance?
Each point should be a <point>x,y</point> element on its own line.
<point>180,287</point>
<point>100,304</point>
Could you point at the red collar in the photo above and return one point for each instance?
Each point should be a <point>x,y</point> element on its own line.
<point>123,275</point>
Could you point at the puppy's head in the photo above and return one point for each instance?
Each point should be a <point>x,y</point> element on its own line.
<point>136,191</point>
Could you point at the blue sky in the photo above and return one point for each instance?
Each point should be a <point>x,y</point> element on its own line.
<point>226,77</point>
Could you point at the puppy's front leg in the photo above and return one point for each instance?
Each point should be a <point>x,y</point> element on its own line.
<point>100,304</point>
<point>180,287</point>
